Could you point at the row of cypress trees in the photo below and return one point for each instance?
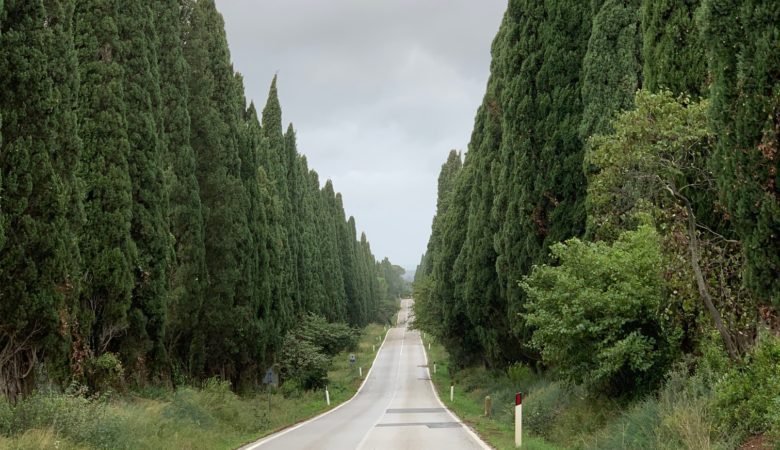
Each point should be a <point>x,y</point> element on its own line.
<point>148,216</point>
<point>560,73</point>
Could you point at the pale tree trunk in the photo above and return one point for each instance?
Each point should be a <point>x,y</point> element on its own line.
<point>17,368</point>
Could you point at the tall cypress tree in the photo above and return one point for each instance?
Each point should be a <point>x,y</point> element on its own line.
<point>106,245</point>
<point>33,271</point>
<point>611,68</point>
<point>332,274</point>
<point>149,225</point>
<point>187,277</point>
<point>674,55</point>
<point>215,119</point>
<point>542,188</point>
<point>285,294</point>
<point>743,38</point>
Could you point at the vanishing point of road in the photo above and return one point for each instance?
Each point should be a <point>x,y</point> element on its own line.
<point>395,409</point>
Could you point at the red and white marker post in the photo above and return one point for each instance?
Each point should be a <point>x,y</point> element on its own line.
<point>518,419</point>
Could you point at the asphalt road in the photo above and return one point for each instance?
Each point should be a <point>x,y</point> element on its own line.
<point>395,409</point>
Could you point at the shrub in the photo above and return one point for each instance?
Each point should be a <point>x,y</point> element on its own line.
<point>596,314</point>
<point>332,338</point>
<point>303,362</point>
<point>748,397</point>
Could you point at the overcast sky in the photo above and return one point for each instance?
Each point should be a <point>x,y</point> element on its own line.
<point>379,91</point>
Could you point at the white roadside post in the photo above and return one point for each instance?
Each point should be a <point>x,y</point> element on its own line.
<point>429,345</point>
<point>373,348</point>
<point>434,367</point>
<point>327,396</point>
<point>518,419</point>
<point>360,369</point>
<point>452,390</point>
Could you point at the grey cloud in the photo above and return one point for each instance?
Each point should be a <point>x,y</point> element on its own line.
<point>379,92</point>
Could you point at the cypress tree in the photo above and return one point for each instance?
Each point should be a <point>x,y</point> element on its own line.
<point>540,186</point>
<point>294,208</point>
<point>674,55</point>
<point>348,263</point>
<point>332,275</point>
<point>214,120</point>
<point>277,172</point>
<point>742,37</point>
<point>611,68</point>
<point>187,275</point>
<point>149,225</point>
<point>106,245</point>
<point>64,72</point>
<point>33,271</point>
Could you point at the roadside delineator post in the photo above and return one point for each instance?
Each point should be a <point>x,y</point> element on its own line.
<point>327,396</point>
<point>452,390</point>
<point>373,348</point>
<point>434,367</point>
<point>518,419</point>
<point>429,345</point>
<point>360,369</point>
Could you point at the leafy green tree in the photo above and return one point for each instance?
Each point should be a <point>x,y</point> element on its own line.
<point>742,39</point>
<point>33,272</point>
<point>595,313</point>
<point>106,244</point>
<point>654,163</point>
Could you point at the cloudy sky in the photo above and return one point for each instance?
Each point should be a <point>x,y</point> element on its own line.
<point>379,91</point>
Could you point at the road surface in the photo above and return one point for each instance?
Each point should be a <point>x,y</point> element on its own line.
<point>395,409</point>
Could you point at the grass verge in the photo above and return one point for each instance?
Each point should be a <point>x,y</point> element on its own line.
<point>471,387</point>
<point>209,417</point>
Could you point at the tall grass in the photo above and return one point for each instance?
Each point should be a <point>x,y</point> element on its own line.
<point>205,417</point>
<point>679,416</point>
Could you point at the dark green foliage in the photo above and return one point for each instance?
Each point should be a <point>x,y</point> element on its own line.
<point>187,277</point>
<point>149,226</point>
<point>215,113</point>
<point>740,405</point>
<point>34,275</point>
<point>672,47</point>
<point>611,68</point>
<point>106,245</point>
<point>742,39</point>
<point>594,313</point>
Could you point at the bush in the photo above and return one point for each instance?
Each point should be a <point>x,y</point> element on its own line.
<point>748,398</point>
<point>105,372</point>
<point>332,338</point>
<point>596,314</point>
<point>304,363</point>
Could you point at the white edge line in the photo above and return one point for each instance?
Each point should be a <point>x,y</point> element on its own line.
<point>282,432</point>
<point>457,419</point>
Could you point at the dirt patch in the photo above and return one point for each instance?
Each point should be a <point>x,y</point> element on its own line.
<point>758,443</point>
